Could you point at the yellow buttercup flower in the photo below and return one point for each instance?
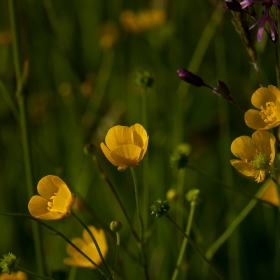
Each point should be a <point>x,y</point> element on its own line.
<point>87,246</point>
<point>257,154</point>
<point>142,20</point>
<point>13,276</point>
<point>55,200</point>
<point>267,100</point>
<point>125,146</point>
<point>270,194</point>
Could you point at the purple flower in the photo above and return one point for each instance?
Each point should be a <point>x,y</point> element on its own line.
<point>190,77</point>
<point>265,18</point>
<point>266,3</point>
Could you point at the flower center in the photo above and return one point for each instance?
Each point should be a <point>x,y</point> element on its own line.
<point>268,114</point>
<point>260,161</point>
<point>58,204</point>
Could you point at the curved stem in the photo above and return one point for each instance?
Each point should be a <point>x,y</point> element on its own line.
<point>104,177</point>
<point>185,242</point>
<point>242,215</point>
<point>117,253</point>
<point>140,220</point>
<point>94,241</point>
<point>227,186</point>
<point>21,79</point>
<point>32,273</point>
<point>194,246</point>
<point>57,233</point>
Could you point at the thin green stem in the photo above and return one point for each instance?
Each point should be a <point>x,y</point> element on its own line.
<point>72,273</point>
<point>242,215</point>
<point>146,192</point>
<point>104,177</point>
<point>140,220</point>
<point>32,273</point>
<point>94,241</point>
<point>25,130</point>
<point>277,67</point>
<point>56,232</point>
<point>117,253</point>
<point>137,203</point>
<point>9,100</point>
<point>229,187</point>
<point>185,242</point>
<point>193,245</point>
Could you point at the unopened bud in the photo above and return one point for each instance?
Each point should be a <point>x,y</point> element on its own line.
<point>144,79</point>
<point>172,195</point>
<point>159,208</point>
<point>9,263</point>
<point>190,77</point>
<point>233,5</point>
<point>90,149</point>
<point>116,226</point>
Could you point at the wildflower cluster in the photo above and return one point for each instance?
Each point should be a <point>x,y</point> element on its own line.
<point>267,14</point>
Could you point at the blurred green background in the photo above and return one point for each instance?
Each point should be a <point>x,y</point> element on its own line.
<point>82,63</point>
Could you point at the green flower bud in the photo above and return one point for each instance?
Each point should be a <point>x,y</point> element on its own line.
<point>159,208</point>
<point>116,226</point>
<point>180,156</point>
<point>144,79</point>
<point>192,195</point>
<point>9,263</point>
<point>90,149</point>
<point>172,195</point>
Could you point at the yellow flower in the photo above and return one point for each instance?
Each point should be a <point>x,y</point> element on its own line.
<point>270,194</point>
<point>142,20</point>
<point>87,246</point>
<point>268,101</point>
<point>13,276</point>
<point>55,200</point>
<point>125,146</point>
<point>256,154</point>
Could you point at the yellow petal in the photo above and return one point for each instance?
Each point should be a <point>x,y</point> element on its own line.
<point>86,235</point>
<point>253,119</point>
<point>275,91</point>
<point>262,140</point>
<point>144,149</point>
<point>37,207</point>
<point>278,110</point>
<point>63,200</point>
<point>46,186</point>
<point>244,167</point>
<point>270,194</point>
<point>272,149</point>
<point>80,243</point>
<point>127,155</point>
<point>139,135</point>
<point>117,136</point>
<point>107,154</point>
<point>243,147</point>
<point>261,96</point>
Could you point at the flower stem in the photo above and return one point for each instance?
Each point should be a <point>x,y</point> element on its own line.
<point>104,177</point>
<point>117,253</point>
<point>194,246</point>
<point>229,187</point>
<point>32,273</point>
<point>185,242</point>
<point>21,79</point>
<point>57,233</point>
<point>146,193</point>
<point>95,243</point>
<point>140,220</point>
<point>277,52</point>
<point>242,215</point>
